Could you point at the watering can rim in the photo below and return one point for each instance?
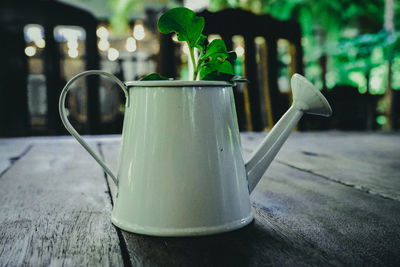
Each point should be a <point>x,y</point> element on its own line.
<point>177,83</point>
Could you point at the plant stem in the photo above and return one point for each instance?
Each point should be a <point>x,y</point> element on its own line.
<point>191,49</point>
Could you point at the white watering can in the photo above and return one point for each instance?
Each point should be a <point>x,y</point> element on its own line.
<point>181,170</point>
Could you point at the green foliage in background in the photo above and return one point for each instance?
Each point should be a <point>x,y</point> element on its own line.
<point>121,10</point>
<point>125,10</point>
<point>348,32</point>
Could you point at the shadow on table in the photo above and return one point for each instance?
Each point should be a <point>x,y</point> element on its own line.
<point>257,244</point>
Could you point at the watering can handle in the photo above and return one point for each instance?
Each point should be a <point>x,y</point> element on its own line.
<point>70,128</point>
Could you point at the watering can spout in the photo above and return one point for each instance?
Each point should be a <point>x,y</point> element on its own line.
<point>306,99</point>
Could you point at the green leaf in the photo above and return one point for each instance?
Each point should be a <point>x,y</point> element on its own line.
<point>215,65</point>
<point>184,23</point>
<point>201,44</point>
<point>153,77</point>
<point>221,76</point>
<point>216,47</point>
<point>214,62</point>
<point>217,50</point>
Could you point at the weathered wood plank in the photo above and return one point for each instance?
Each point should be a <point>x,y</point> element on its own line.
<point>109,149</point>
<point>366,161</point>
<point>10,151</point>
<point>352,226</point>
<point>55,209</point>
<point>300,219</point>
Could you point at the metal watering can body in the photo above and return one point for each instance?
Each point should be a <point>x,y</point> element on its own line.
<point>181,170</point>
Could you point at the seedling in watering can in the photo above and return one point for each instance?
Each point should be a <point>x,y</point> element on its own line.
<point>214,62</point>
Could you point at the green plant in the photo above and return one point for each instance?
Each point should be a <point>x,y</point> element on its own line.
<point>214,62</point>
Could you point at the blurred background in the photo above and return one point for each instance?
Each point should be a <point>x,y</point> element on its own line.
<point>349,49</point>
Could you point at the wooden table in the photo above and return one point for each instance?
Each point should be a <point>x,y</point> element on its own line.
<point>327,199</point>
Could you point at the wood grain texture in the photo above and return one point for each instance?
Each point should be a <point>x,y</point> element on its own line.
<point>10,151</point>
<point>55,209</point>
<point>328,199</point>
<point>366,161</point>
<point>352,226</point>
<point>305,214</point>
